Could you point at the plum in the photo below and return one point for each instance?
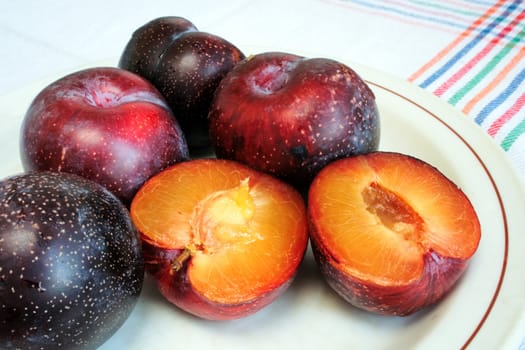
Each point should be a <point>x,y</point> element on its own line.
<point>106,124</point>
<point>390,232</point>
<point>186,66</point>
<point>71,262</point>
<point>221,239</point>
<point>289,116</point>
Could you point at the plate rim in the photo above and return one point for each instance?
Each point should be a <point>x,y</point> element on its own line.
<point>486,169</point>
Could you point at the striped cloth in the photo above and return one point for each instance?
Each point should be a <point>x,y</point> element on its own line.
<point>481,71</point>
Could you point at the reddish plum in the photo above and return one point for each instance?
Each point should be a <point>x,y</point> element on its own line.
<point>290,116</point>
<point>106,124</point>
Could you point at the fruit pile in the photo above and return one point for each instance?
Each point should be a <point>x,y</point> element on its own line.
<point>212,171</point>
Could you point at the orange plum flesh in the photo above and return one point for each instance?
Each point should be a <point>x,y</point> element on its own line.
<point>221,239</point>
<point>390,233</point>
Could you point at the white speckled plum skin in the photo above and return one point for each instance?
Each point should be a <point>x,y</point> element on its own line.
<point>71,263</point>
<point>105,124</point>
<point>438,279</point>
<point>289,115</point>
<point>186,66</point>
<point>148,42</point>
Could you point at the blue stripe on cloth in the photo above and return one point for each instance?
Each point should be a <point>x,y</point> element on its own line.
<point>409,14</point>
<point>481,2</point>
<point>494,103</point>
<point>470,45</point>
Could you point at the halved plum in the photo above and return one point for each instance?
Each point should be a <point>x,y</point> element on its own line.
<point>390,232</point>
<point>221,239</point>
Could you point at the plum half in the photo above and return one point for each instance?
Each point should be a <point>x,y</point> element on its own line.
<point>222,240</point>
<point>390,232</point>
<point>71,264</point>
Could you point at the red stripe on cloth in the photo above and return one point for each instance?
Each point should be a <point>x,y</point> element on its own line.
<point>477,23</point>
<point>393,16</point>
<point>480,55</point>
<point>428,12</point>
<point>498,123</point>
<point>497,80</point>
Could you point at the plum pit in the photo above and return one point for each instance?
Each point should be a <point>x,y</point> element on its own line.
<point>223,218</point>
<point>219,221</point>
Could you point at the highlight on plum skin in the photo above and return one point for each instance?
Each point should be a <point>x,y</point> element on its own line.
<point>71,263</point>
<point>106,124</point>
<point>390,233</point>
<point>221,240</point>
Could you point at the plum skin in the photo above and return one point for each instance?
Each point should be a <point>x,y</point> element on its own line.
<point>290,116</point>
<point>177,289</point>
<point>440,272</point>
<point>71,263</point>
<point>438,278</point>
<point>147,44</point>
<point>186,65</point>
<point>174,265</point>
<point>106,124</point>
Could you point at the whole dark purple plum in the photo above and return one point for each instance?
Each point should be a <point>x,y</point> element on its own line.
<point>186,66</point>
<point>71,263</point>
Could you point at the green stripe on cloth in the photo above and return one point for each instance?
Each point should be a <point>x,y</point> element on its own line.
<point>454,10</point>
<point>513,135</point>
<point>487,69</point>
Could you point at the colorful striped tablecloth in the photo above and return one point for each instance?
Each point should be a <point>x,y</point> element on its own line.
<point>479,66</point>
<point>469,53</point>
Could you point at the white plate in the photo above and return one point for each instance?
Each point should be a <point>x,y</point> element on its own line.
<point>485,310</point>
